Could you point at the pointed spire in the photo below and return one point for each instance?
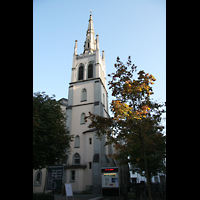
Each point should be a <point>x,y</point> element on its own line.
<point>90,43</point>
<point>90,25</point>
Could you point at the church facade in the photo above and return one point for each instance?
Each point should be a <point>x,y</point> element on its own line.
<point>87,93</point>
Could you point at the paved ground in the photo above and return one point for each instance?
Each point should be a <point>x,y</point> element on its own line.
<point>78,197</point>
<point>86,197</point>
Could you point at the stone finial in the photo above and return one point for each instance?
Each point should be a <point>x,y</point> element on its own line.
<point>97,41</point>
<point>103,55</point>
<point>75,48</point>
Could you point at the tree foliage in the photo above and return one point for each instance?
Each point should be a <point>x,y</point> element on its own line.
<point>135,128</point>
<point>50,141</point>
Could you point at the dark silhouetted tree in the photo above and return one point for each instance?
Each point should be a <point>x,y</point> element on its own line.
<point>50,141</point>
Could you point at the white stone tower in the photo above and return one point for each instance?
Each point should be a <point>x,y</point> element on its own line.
<point>87,93</point>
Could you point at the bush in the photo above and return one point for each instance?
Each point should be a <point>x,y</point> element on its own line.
<point>131,195</point>
<point>43,196</point>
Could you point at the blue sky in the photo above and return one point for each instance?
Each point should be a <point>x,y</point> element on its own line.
<point>129,27</point>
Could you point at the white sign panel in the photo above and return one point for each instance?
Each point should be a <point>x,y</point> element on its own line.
<point>110,180</point>
<point>68,189</point>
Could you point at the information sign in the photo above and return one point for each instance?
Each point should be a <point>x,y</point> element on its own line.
<point>68,189</point>
<point>110,180</point>
<point>54,179</point>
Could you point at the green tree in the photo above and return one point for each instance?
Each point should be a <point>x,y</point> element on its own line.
<point>135,128</point>
<point>50,141</point>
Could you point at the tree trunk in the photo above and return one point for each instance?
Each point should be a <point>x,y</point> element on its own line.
<point>149,172</point>
<point>146,171</point>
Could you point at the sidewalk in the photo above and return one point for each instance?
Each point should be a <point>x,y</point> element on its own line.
<point>87,197</point>
<point>80,197</point>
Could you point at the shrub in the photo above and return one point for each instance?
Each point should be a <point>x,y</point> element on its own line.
<point>43,196</point>
<point>131,195</point>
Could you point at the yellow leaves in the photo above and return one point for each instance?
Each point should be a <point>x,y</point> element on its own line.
<point>127,87</point>
<point>145,108</point>
<point>139,86</point>
<point>143,111</point>
<point>149,93</point>
<point>121,110</point>
<point>134,90</point>
<point>151,78</point>
<point>128,83</point>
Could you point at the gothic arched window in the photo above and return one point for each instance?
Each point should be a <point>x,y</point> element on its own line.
<point>76,159</point>
<point>80,73</point>
<point>90,71</point>
<point>82,118</point>
<point>84,95</point>
<point>77,142</point>
<point>38,178</point>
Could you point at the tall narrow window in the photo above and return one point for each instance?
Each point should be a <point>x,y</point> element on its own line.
<point>38,178</point>
<point>82,118</point>
<point>84,95</point>
<point>90,165</point>
<point>90,140</point>
<point>90,71</point>
<point>77,142</point>
<point>72,175</point>
<point>80,73</point>
<point>76,159</point>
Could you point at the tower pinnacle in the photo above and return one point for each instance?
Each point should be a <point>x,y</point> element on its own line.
<point>75,48</point>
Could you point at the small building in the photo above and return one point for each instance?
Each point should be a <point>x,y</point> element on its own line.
<point>138,178</point>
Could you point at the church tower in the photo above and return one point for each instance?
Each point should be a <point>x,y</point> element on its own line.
<point>87,93</point>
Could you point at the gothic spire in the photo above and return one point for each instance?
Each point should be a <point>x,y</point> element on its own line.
<point>90,43</point>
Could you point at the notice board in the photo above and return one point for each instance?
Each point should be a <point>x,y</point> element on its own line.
<point>54,179</point>
<point>110,180</point>
<point>68,189</point>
